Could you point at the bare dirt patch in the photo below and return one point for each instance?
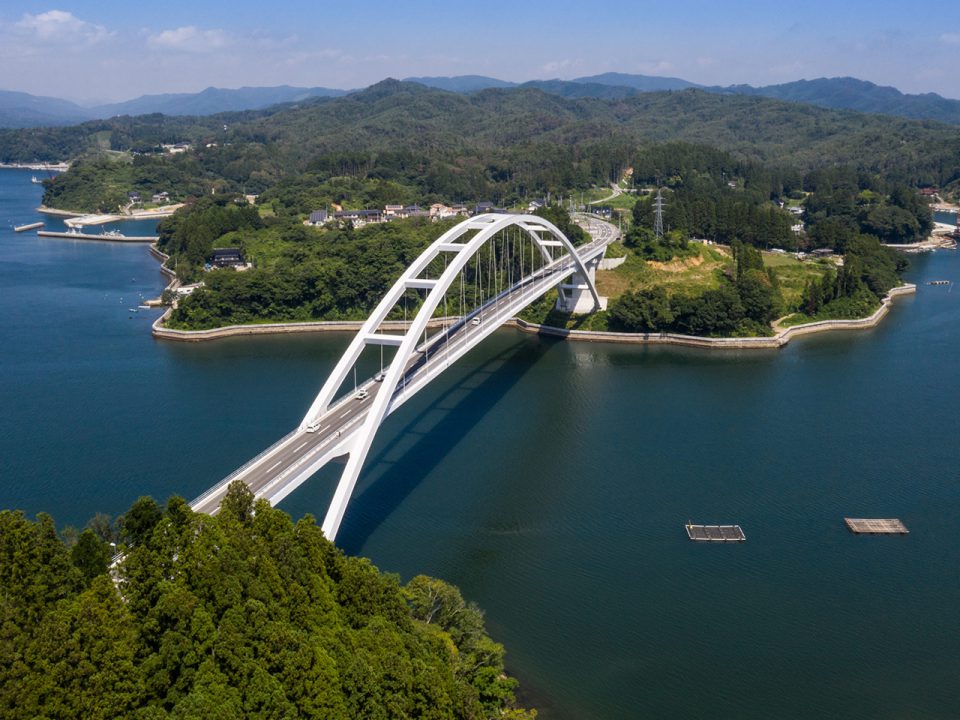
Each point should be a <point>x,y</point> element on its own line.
<point>677,266</point>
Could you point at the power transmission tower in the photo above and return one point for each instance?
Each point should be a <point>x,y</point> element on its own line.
<point>658,216</point>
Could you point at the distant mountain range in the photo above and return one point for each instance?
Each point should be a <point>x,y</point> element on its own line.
<point>18,110</point>
<point>843,93</point>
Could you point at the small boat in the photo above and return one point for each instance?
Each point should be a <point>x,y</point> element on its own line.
<point>133,310</point>
<point>112,234</point>
<point>36,181</point>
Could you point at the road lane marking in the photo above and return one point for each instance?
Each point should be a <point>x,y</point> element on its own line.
<point>301,445</point>
<point>345,414</point>
<point>276,464</point>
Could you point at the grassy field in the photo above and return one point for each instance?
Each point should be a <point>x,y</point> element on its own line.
<point>689,276</point>
<point>706,271</point>
<point>793,274</point>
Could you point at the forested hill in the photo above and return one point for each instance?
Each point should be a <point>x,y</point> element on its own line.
<point>853,94</point>
<point>241,615</point>
<point>394,115</point>
<point>19,110</point>
<point>392,112</point>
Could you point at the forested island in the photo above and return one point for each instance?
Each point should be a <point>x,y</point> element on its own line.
<point>245,614</point>
<point>738,176</point>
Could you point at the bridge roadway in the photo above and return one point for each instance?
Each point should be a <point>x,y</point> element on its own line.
<point>285,465</point>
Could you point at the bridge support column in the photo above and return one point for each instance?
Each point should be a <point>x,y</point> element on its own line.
<point>575,296</point>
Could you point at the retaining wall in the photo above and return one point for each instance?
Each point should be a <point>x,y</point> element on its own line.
<point>275,328</point>
<point>611,263</point>
<point>754,343</point>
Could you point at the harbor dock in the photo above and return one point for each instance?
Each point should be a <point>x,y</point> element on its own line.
<point>29,226</point>
<point>877,526</point>
<point>103,237</point>
<point>715,533</point>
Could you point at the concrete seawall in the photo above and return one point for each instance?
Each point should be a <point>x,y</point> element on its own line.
<point>762,343</point>
<point>166,333</point>
<point>754,343</point>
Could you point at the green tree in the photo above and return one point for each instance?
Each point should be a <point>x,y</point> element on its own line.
<point>643,311</point>
<point>138,522</point>
<point>760,299</point>
<point>715,312</point>
<point>91,555</point>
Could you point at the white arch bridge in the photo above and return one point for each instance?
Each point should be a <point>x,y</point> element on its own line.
<point>488,267</point>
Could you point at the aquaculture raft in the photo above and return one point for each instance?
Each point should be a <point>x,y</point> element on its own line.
<point>865,526</point>
<point>715,533</point>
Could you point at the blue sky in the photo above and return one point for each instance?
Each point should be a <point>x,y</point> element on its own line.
<point>102,50</point>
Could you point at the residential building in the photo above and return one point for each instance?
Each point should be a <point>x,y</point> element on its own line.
<point>226,257</point>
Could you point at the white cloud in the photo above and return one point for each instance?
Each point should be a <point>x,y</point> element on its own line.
<point>189,39</point>
<point>62,27</point>
<point>950,38</point>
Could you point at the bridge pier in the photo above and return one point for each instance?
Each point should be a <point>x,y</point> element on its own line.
<point>575,297</point>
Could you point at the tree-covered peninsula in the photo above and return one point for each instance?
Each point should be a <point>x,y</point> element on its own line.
<point>242,615</point>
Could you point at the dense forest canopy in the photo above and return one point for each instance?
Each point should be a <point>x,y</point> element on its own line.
<point>241,615</point>
<point>517,140</point>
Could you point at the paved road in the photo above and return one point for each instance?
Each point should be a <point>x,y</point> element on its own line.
<point>285,461</point>
<point>617,191</point>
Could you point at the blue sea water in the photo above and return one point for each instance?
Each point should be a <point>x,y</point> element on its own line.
<point>551,482</point>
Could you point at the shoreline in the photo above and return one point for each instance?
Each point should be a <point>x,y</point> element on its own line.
<point>773,342</point>
<point>60,166</point>
<point>776,341</point>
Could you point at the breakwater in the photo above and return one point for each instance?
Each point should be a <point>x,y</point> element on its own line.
<point>102,238</point>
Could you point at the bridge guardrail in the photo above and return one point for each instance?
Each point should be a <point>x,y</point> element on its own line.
<point>240,470</point>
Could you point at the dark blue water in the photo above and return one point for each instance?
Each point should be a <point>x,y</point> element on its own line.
<point>942,216</point>
<point>551,482</point>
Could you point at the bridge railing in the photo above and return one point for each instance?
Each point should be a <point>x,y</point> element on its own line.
<point>529,287</point>
<point>240,470</point>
